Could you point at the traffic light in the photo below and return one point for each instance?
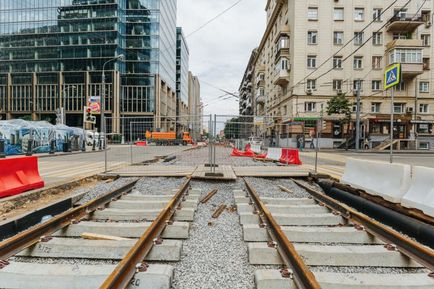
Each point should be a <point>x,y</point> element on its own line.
<point>88,117</point>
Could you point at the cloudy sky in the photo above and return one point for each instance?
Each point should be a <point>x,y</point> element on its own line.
<point>219,53</point>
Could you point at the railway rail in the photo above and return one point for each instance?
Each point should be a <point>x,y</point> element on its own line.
<point>63,237</point>
<point>332,245</point>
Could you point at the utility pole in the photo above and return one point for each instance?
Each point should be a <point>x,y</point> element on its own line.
<point>392,112</point>
<point>358,116</point>
<point>416,95</point>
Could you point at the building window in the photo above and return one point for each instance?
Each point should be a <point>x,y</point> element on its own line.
<point>426,63</point>
<point>399,108</point>
<point>376,85</point>
<point>401,86</point>
<point>311,61</point>
<point>337,84</point>
<point>401,14</point>
<point>311,84</point>
<point>312,37</point>
<point>312,13</point>
<point>426,39</point>
<point>423,108</point>
<point>358,84</point>
<point>377,38</point>
<point>355,107</point>
<point>426,16</point>
<point>337,62</point>
<point>423,86</point>
<point>401,36</point>
<point>375,107</point>
<point>424,128</point>
<point>376,62</point>
<point>310,106</point>
<point>359,14</point>
<point>358,38</point>
<point>283,42</point>
<point>338,38</point>
<point>338,14</point>
<point>358,62</point>
<point>376,15</point>
<point>406,56</point>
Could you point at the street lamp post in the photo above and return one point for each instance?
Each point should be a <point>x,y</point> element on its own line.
<point>103,128</point>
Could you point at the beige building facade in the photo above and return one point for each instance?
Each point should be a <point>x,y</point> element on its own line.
<point>313,50</point>
<point>195,107</point>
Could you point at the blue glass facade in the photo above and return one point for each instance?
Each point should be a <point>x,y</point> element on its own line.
<point>52,53</point>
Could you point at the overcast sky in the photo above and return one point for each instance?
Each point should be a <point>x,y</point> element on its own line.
<point>219,53</point>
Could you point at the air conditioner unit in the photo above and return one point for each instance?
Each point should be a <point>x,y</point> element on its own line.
<point>339,91</point>
<point>428,24</point>
<point>410,109</point>
<point>309,91</point>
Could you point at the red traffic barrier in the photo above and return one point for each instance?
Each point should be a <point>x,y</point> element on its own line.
<point>141,143</point>
<point>238,153</point>
<point>290,157</point>
<point>18,175</point>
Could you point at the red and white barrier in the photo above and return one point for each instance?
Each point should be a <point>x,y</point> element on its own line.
<point>290,157</point>
<point>18,175</point>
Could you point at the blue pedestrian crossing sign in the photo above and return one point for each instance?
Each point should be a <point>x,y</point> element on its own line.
<point>392,76</point>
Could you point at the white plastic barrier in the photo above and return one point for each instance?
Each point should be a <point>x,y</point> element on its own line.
<point>274,153</point>
<point>390,181</point>
<point>256,149</point>
<point>421,192</point>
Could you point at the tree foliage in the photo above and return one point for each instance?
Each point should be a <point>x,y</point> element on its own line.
<point>340,105</point>
<point>232,128</point>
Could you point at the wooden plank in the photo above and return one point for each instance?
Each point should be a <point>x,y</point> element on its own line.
<point>92,236</point>
<point>219,211</point>
<point>209,196</point>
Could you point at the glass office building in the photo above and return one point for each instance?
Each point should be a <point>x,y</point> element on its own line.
<point>52,54</point>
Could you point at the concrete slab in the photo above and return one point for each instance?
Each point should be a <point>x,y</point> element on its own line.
<point>308,219</point>
<point>272,279</point>
<point>54,276</point>
<point>154,171</point>
<point>347,235</point>
<point>162,198</point>
<point>239,193</point>
<point>271,171</point>
<point>317,255</point>
<point>178,230</point>
<point>249,219</point>
<point>285,209</point>
<point>374,281</point>
<point>147,205</point>
<point>278,201</point>
<point>185,214</point>
<point>169,250</point>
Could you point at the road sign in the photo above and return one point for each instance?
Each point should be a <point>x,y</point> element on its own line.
<point>392,76</point>
<point>88,117</point>
<point>94,103</point>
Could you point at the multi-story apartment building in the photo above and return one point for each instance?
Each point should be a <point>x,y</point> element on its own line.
<point>313,50</point>
<point>247,99</point>
<point>195,107</point>
<point>52,54</point>
<point>182,59</point>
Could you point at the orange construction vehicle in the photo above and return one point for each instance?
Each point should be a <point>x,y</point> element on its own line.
<point>168,138</point>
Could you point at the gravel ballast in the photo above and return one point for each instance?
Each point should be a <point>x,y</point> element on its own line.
<point>215,255</point>
<point>157,186</point>
<point>103,188</point>
<point>269,188</point>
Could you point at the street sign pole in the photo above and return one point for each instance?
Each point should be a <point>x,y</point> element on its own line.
<point>358,117</point>
<point>391,123</point>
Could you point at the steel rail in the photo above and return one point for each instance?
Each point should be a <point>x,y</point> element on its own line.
<point>302,276</point>
<point>121,276</point>
<point>408,247</point>
<point>19,242</point>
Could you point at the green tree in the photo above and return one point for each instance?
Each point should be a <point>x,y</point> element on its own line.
<point>341,106</point>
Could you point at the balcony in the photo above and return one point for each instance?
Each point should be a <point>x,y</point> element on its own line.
<point>282,52</point>
<point>281,77</point>
<point>405,23</point>
<point>411,70</point>
<point>410,57</point>
<point>260,99</point>
<point>398,43</point>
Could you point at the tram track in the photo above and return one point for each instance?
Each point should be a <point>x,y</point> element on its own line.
<point>326,244</point>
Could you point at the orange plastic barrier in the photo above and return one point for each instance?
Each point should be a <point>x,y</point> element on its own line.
<point>290,156</point>
<point>18,175</point>
<point>238,153</point>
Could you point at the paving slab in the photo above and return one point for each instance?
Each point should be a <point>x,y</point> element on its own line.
<point>317,255</point>
<point>347,235</point>
<point>178,230</point>
<point>169,250</point>
<point>54,276</point>
<point>185,214</point>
